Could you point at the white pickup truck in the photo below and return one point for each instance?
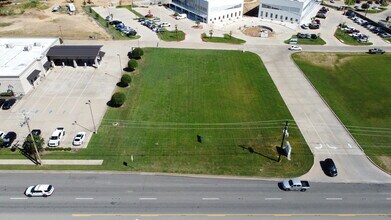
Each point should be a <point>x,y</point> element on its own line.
<point>295,185</point>
<point>57,136</point>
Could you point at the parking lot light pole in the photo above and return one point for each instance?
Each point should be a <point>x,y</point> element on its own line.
<point>92,116</point>
<point>120,65</point>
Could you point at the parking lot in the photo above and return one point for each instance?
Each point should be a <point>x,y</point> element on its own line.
<point>60,99</point>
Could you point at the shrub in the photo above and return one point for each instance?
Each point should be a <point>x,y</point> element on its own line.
<point>132,64</point>
<point>126,79</point>
<point>28,145</point>
<point>118,99</point>
<point>137,53</point>
<point>8,94</point>
<point>58,149</point>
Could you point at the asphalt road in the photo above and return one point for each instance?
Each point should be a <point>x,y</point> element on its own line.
<point>93,194</point>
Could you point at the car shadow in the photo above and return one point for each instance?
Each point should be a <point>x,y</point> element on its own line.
<point>279,184</point>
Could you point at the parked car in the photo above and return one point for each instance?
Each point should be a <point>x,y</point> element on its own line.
<point>321,15</point>
<point>2,102</point>
<point>385,35</point>
<point>181,16</point>
<point>57,136</point>
<point>8,103</point>
<point>131,33</point>
<point>329,167</point>
<point>140,19</point>
<point>79,138</point>
<point>115,22</point>
<point>56,8</point>
<point>8,139</point>
<point>295,185</point>
<point>295,48</point>
<point>156,19</point>
<point>160,30</point>
<point>376,51</point>
<point>41,190</point>
<point>36,132</point>
<point>304,26</point>
<point>164,24</point>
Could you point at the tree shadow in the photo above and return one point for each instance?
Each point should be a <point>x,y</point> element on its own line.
<point>28,156</point>
<point>252,151</point>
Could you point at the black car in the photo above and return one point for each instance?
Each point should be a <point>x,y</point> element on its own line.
<point>131,33</point>
<point>36,132</point>
<point>8,139</point>
<point>115,22</point>
<point>329,167</point>
<point>8,104</point>
<point>2,102</point>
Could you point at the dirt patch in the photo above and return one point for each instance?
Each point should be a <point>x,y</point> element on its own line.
<point>255,31</point>
<point>385,161</point>
<point>325,60</point>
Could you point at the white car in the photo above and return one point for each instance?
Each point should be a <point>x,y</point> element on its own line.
<point>79,138</point>
<point>57,136</point>
<point>295,47</point>
<point>41,190</point>
<point>164,24</point>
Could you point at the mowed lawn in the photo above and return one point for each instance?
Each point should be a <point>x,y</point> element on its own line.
<point>225,97</point>
<point>357,87</point>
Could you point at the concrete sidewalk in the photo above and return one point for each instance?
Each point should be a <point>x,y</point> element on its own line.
<point>52,162</point>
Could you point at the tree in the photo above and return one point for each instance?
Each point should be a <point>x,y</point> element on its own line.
<point>365,6</point>
<point>137,53</point>
<point>118,99</point>
<point>28,145</point>
<point>132,64</point>
<point>210,33</point>
<point>230,34</point>
<point>350,2</point>
<point>126,79</point>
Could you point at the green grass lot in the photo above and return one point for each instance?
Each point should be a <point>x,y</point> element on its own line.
<point>172,35</point>
<point>5,24</point>
<point>226,97</point>
<point>388,39</point>
<point>373,11</point>
<point>347,39</point>
<point>357,87</point>
<point>130,8</point>
<point>226,39</point>
<point>117,35</point>
<point>305,41</point>
<point>21,7</point>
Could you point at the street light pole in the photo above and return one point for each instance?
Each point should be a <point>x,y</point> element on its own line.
<point>92,116</point>
<point>120,65</point>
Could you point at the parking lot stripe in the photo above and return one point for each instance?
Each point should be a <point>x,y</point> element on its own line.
<point>147,198</point>
<point>84,198</point>
<point>18,198</point>
<point>210,198</point>
<point>333,198</point>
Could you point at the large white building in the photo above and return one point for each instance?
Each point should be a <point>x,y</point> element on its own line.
<point>209,11</point>
<point>22,62</point>
<point>293,11</point>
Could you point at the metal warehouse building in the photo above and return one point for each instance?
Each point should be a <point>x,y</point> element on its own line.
<point>209,11</point>
<point>22,62</point>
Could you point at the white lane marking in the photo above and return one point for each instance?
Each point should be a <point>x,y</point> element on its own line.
<point>147,198</point>
<point>329,146</point>
<point>333,198</point>
<point>320,146</point>
<point>84,198</point>
<point>210,198</point>
<point>272,198</point>
<point>350,146</point>
<point>18,198</point>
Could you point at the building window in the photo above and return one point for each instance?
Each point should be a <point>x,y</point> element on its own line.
<point>266,14</point>
<point>271,15</point>
<point>239,13</point>
<point>215,19</point>
<point>286,18</point>
<point>291,19</point>
<point>276,17</point>
<point>235,14</point>
<point>297,20</point>
<point>223,16</point>
<point>261,14</point>
<point>282,17</point>
<point>219,18</point>
<point>232,14</point>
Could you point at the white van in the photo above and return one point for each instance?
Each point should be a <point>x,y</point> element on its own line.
<point>57,136</point>
<point>181,16</point>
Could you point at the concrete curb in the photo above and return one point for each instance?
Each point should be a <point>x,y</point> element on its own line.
<point>51,162</point>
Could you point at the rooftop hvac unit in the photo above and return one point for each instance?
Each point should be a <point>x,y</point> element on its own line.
<point>9,45</point>
<point>27,48</point>
<point>37,44</point>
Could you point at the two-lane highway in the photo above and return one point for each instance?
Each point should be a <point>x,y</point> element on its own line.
<point>124,194</point>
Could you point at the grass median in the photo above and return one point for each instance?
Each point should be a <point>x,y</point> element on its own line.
<point>306,41</point>
<point>347,39</point>
<point>229,39</point>
<point>357,88</point>
<point>197,111</point>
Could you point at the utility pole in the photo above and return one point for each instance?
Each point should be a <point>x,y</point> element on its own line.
<point>26,122</point>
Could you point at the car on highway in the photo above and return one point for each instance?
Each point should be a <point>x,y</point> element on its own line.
<point>295,185</point>
<point>329,167</point>
<point>8,104</point>
<point>9,138</point>
<point>295,48</point>
<point>376,51</point>
<point>40,190</point>
<point>79,138</point>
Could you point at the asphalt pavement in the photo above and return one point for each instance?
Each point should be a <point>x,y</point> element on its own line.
<point>109,195</point>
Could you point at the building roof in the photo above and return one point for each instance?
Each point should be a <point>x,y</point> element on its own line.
<point>69,51</point>
<point>17,54</point>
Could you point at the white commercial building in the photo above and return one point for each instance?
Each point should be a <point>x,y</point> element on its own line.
<point>293,11</point>
<point>209,11</point>
<point>22,62</point>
